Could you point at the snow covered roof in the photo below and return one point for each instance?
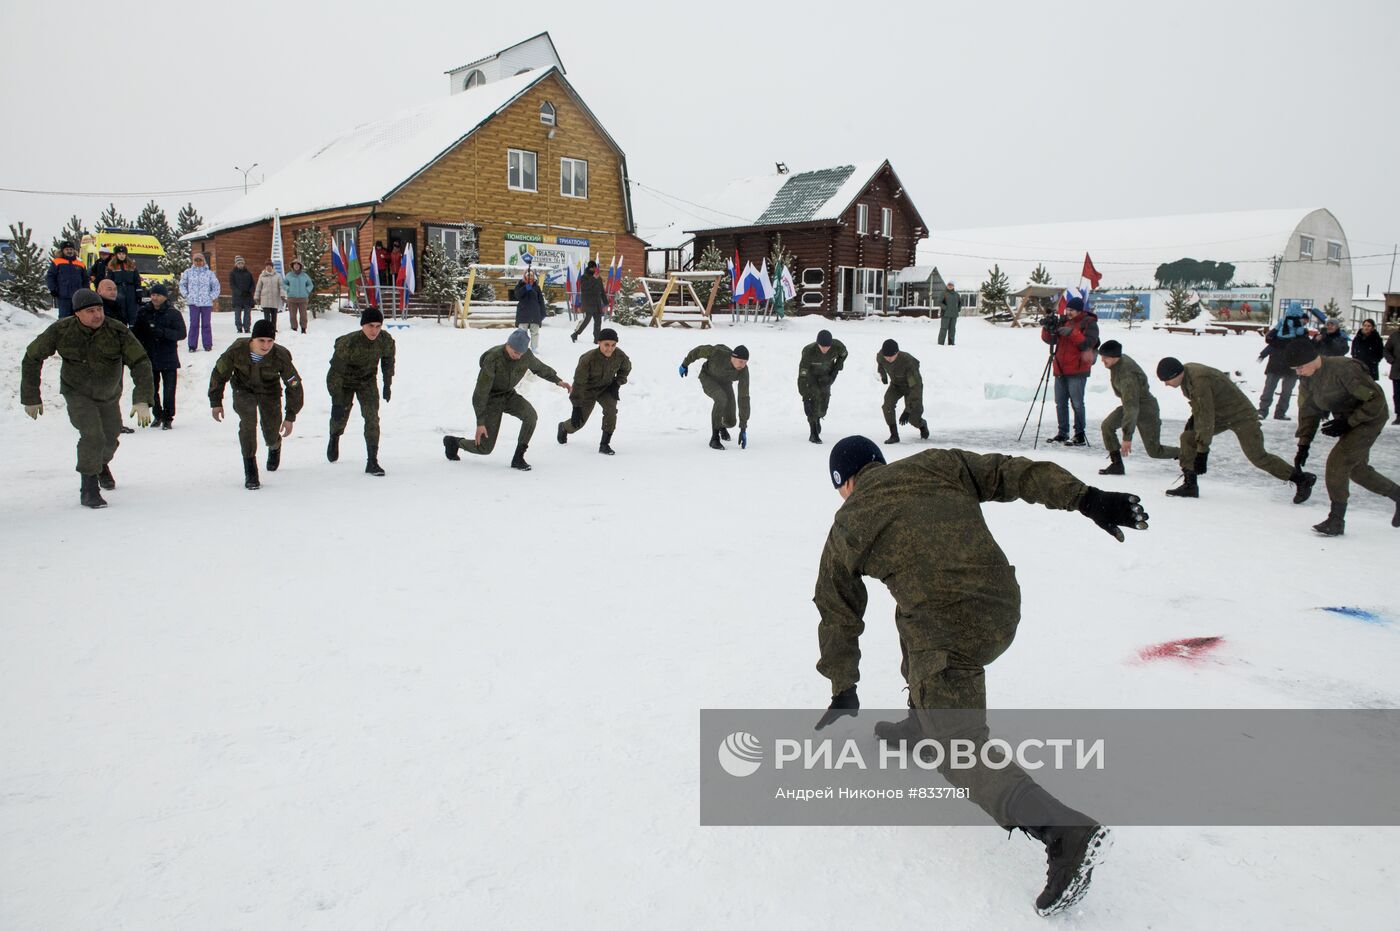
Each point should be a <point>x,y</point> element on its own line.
<point>783,199</point>
<point>1126,252</point>
<point>366,164</point>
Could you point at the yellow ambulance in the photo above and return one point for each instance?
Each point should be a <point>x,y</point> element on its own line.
<point>143,248</point>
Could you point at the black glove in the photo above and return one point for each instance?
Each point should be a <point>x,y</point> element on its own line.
<point>1113,510</point>
<point>1200,467</point>
<point>884,379</point>
<point>576,418</point>
<point>613,389</point>
<point>386,391</point>
<point>1301,459</point>
<point>1335,427</point>
<point>841,705</point>
<point>1191,422</point>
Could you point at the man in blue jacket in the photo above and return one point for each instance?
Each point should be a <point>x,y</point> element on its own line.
<point>66,276</point>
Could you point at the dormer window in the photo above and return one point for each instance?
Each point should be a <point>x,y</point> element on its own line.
<point>547,113</point>
<point>475,78</point>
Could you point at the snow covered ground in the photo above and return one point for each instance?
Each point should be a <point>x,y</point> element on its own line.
<point>465,695</point>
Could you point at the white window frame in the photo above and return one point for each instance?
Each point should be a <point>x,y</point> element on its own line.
<point>1332,246</point>
<point>1305,247</point>
<point>812,298</point>
<point>442,234</point>
<point>809,273</point>
<point>475,78</point>
<point>869,290</point>
<point>344,235</point>
<point>862,219</point>
<point>887,222</point>
<point>515,163</point>
<point>548,115</point>
<point>569,170</point>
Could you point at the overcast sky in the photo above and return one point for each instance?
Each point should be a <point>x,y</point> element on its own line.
<point>992,113</point>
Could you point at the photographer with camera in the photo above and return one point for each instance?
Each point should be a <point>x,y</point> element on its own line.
<point>1073,339</point>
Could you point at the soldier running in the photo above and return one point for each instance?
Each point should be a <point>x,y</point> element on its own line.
<point>821,362</point>
<point>723,367</point>
<point>900,371</point>
<point>502,368</point>
<point>1344,389</point>
<point>94,347</point>
<point>1217,405</point>
<point>355,365</point>
<point>258,368</point>
<point>957,609</point>
<point>1137,410</point>
<point>600,375</point>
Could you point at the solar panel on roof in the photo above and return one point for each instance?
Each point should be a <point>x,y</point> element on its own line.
<point>803,195</point>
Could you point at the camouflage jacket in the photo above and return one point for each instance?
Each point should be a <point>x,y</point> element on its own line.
<point>1216,402</point>
<point>500,374</point>
<point>894,527</point>
<point>596,372</point>
<point>903,372</point>
<point>719,367</point>
<point>817,368</point>
<point>92,361</point>
<point>262,379</point>
<point>1129,383</point>
<point>357,359</point>
<point>1343,388</point>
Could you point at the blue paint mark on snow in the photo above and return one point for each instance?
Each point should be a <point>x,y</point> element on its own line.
<point>1360,614</point>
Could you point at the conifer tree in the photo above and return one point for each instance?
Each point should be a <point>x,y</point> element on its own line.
<point>24,267</point>
<point>994,292</point>
<point>311,246</point>
<point>73,231</point>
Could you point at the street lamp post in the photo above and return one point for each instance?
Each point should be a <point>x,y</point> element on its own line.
<point>245,174</point>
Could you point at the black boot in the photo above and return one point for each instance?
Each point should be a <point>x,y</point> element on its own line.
<point>724,433</point>
<point>1335,525</point>
<point>1079,440</point>
<point>923,429</point>
<point>450,447</point>
<point>274,458</point>
<point>812,428</point>
<point>1263,413</point>
<point>333,448</point>
<point>603,446</point>
<point>1304,481</point>
<point>1074,845</point>
<point>250,473</point>
<point>909,730</point>
<point>1395,521</point>
<point>1115,464</point>
<point>372,466</point>
<point>105,479</point>
<point>1279,415</point>
<point>1187,488</point>
<point>562,436</point>
<point>167,423</point>
<point>714,440</point>
<point>894,429</point>
<point>89,494</point>
<point>519,461</point>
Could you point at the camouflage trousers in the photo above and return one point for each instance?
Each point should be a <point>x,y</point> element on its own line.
<point>252,408</point>
<point>513,404</point>
<point>725,412</point>
<point>1246,430</point>
<point>1149,428</point>
<point>585,410</point>
<point>1350,461</point>
<point>913,405</point>
<point>343,398</point>
<point>816,397</point>
<point>99,425</point>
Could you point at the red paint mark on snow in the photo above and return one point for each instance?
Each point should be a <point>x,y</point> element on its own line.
<point>1191,649</point>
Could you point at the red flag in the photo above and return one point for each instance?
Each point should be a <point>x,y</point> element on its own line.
<point>1090,272</point>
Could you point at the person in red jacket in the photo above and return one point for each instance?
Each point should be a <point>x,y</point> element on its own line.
<point>1074,341</point>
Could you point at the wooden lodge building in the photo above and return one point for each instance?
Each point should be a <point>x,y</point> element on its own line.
<point>848,229</point>
<point>512,149</point>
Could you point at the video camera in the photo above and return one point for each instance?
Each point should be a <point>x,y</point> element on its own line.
<point>1052,321</point>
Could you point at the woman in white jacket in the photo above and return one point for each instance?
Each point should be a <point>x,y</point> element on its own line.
<point>267,293</point>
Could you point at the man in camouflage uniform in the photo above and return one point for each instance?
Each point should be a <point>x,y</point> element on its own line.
<point>1137,410</point>
<point>950,306</point>
<point>957,609</point>
<point>1217,405</point>
<point>1344,389</point>
<point>502,368</point>
<point>821,362</point>
<point>723,367</point>
<point>258,368</point>
<point>355,365</point>
<point>94,347</point>
<point>599,378</point>
<point>900,371</point>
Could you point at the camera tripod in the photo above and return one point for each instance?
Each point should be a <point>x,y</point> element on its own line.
<point>1042,391</point>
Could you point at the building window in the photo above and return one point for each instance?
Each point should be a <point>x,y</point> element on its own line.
<point>870,290</point>
<point>1305,247</point>
<point>520,173</point>
<point>475,78</point>
<point>448,239</point>
<point>1334,253</point>
<point>813,277</point>
<point>967,300</point>
<point>886,222</point>
<point>862,219</point>
<point>344,236</point>
<point>573,177</point>
<point>811,299</point>
<point>547,113</point>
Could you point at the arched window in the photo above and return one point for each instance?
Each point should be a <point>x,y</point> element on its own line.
<point>547,113</point>
<point>475,78</point>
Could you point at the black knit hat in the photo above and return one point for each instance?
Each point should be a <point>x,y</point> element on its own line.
<point>160,289</point>
<point>371,315</point>
<point>591,267</point>
<point>851,455</point>
<point>607,333</point>
<point>66,244</point>
<point>1296,352</point>
<point>741,352</point>
<point>824,338</point>
<point>84,298</point>
<point>1111,348</point>
<point>264,329</point>
<point>889,348</point>
<point>1169,368</point>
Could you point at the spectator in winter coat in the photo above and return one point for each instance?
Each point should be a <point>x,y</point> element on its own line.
<point>950,305</point>
<point>296,288</point>
<point>240,289</point>
<point>160,328</point>
<point>1392,355</point>
<point>121,270</point>
<point>1368,348</point>
<point>65,277</point>
<point>1332,341</point>
<point>99,267</point>
<point>529,307</point>
<point>1277,375</point>
<point>268,293</point>
<point>381,260</point>
<point>1073,339</point>
<point>201,289</point>
<point>592,298</point>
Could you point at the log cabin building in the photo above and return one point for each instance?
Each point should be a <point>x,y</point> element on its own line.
<point>848,228</point>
